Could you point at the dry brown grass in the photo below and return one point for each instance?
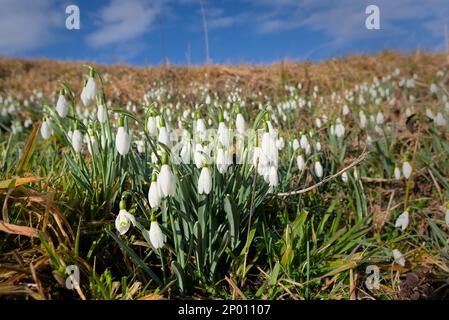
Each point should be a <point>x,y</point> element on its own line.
<point>130,83</point>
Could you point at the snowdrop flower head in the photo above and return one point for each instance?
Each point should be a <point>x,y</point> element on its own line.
<point>402,221</point>
<point>62,106</point>
<point>318,169</point>
<point>398,258</point>
<point>122,139</point>
<point>124,219</point>
<point>406,169</point>
<point>155,233</point>
<point>166,180</point>
<point>154,197</point>
<point>77,140</point>
<point>205,181</point>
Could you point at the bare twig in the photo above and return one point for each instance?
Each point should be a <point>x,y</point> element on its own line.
<point>327,179</point>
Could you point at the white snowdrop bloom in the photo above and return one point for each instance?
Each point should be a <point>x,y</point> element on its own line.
<point>222,160</point>
<point>164,137</point>
<point>300,162</point>
<point>140,146</point>
<point>208,100</point>
<point>155,234</point>
<point>429,114</point>
<point>402,221</point>
<point>46,129</point>
<point>295,145</point>
<point>369,140</point>
<point>205,181</point>
<point>318,146</point>
<point>304,142</point>
<point>433,88</point>
<point>122,141</point>
<point>280,143</point>
<point>152,126</point>
<point>166,181</point>
<point>77,140</point>
<point>398,258</point>
<point>363,119</point>
<point>308,149</point>
<point>406,169</point>
<point>124,220</point>
<point>198,155</point>
<point>89,94</point>
<point>224,136</point>
<point>345,110</point>
<point>102,114</point>
<point>186,152</point>
<point>345,177</point>
<point>269,149</point>
<point>240,123</point>
<point>397,173</point>
<point>408,112</point>
<point>440,120</point>
<point>273,177</point>
<point>62,106</point>
<point>318,123</point>
<point>318,169</point>
<point>380,118</point>
<point>154,198</point>
<point>339,130</point>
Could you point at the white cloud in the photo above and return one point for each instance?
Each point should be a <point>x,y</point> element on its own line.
<point>344,20</point>
<point>121,21</point>
<point>27,25</point>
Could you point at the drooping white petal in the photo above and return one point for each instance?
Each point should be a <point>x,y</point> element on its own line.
<point>124,221</point>
<point>154,197</point>
<point>204,181</point>
<point>402,221</point>
<point>398,257</point>
<point>62,106</point>
<point>318,169</point>
<point>77,141</point>
<point>122,141</point>
<point>156,235</point>
<point>406,169</point>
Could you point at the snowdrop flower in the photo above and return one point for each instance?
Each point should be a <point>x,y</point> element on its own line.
<point>77,140</point>
<point>345,177</point>
<point>304,142</point>
<point>345,110</point>
<point>240,123</point>
<point>62,106</point>
<point>186,151</point>
<point>295,145</point>
<point>398,257</point>
<point>152,126</point>
<point>155,234</point>
<point>273,177</point>
<point>300,162</point>
<point>124,219</point>
<point>318,169</point>
<point>154,197</point>
<point>380,118</point>
<point>204,181</point>
<point>46,129</point>
<point>402,221</point>
<point>406,169</point>
<point>440,120</point>
<point>222,160</point>
<point>363,120</point>
<point>89,93</point>
<point>140,146</point>
<point>164,134</point>
<point>397,173</point>
<point>102,113</point>
<point>280,143</point>
<point>223,134</point>
<point>122,139</point>
<point>339,130</point>
<point>166,180</point>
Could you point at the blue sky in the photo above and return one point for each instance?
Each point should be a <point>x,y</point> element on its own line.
<point>250,31</point>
